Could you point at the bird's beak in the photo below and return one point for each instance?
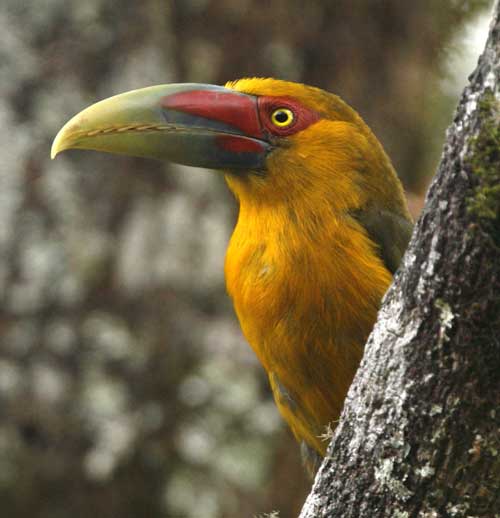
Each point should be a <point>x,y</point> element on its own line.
<point>191,124</point>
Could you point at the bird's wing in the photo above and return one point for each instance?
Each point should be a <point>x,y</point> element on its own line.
<point>389,231</point>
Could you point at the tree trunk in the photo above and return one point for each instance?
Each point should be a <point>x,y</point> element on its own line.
<point>419,435</point>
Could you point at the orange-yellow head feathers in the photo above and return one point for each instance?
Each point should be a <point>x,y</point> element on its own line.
<point>336,157</point>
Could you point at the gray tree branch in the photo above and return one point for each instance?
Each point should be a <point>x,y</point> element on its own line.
<point>419,435</point>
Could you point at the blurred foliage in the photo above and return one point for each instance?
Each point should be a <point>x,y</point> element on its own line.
<point>126,388</point>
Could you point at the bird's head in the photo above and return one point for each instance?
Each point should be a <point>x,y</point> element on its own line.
<point>276,141</point>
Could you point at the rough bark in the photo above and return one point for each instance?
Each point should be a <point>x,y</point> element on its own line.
<point>419,435</point>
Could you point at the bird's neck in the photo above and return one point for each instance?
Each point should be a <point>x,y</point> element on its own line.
<point>287,266</point>
<point>306,287</point>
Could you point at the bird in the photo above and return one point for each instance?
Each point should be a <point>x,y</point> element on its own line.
<point>322,226</point>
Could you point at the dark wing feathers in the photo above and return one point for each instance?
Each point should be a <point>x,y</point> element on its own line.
<point>390,232</point>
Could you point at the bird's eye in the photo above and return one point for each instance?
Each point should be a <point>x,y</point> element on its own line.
<point>282,117</point>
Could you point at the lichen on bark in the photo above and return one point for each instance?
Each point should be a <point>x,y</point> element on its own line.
<point>484,152</point>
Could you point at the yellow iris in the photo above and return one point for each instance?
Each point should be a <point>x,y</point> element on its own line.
<point>282,117</point>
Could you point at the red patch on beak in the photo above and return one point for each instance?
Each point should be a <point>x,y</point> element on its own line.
<point>237,144</point>
<point>235,109</point>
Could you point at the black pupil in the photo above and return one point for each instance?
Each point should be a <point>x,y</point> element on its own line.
<point>281,116</point>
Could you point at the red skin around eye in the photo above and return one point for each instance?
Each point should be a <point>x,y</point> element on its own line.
<point>303,117</point>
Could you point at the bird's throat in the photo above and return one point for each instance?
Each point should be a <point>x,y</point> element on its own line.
<point>294,278</point>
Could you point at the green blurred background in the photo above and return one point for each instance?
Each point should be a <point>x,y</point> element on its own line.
<point>126,388</point>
